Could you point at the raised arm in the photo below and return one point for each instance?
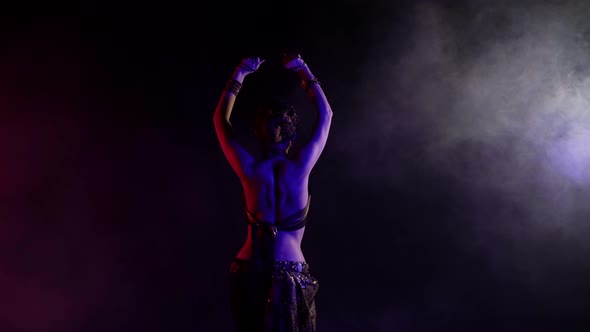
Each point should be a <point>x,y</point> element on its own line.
<point>310,152</point>
<point>239,159</point>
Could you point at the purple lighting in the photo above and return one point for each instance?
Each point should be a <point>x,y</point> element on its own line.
<point>571,156</point>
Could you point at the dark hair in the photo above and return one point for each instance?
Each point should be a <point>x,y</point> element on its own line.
<point>272,114</point>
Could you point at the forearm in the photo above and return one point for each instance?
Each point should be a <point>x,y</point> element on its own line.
<point>314,91</point>
<point>228,97</point>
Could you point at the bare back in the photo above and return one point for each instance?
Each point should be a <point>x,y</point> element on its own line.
<point>276,188</point>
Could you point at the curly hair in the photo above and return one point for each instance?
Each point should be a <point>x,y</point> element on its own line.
<point>276,122</point>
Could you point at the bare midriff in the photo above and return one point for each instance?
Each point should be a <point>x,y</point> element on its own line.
<point>287,246</point>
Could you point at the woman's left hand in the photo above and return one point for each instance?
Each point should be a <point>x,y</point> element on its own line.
<point>293,61</point>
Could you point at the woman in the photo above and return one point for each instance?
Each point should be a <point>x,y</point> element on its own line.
<point>271,287</point>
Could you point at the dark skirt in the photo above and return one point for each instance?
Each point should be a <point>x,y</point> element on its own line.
<point>279,299</point>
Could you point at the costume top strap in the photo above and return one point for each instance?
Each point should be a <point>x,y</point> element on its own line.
<point>293,222</point>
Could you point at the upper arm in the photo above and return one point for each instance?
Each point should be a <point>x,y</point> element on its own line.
<point>238,157</point>
<point>309,154</point>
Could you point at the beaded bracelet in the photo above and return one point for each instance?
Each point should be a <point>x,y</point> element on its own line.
<point>233,87</point>
<point>305,84</point>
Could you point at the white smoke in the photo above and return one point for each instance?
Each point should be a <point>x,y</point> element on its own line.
<point>505,108</point>
<point>495,97</point>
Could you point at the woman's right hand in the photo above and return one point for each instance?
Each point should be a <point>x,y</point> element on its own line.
<point>250,65</point>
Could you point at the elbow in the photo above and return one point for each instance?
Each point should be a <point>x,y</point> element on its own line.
<point>326,111</point>
<point>217,118</point>
<point>220,118</point>
<point>217,123</point>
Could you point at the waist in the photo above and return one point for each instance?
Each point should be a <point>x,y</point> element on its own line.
<point>283,250</point>
<point>245,265</point>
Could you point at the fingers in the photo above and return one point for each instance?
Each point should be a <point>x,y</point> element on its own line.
<point>251,64</point>
<point>254,60</point>
<point>290,56</point>
<point>246,66</point>
<point>291,60</point>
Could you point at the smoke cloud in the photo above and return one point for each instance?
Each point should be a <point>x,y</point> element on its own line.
<point>494,98</point>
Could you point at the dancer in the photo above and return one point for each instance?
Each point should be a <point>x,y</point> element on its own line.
<point>271,287</point>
